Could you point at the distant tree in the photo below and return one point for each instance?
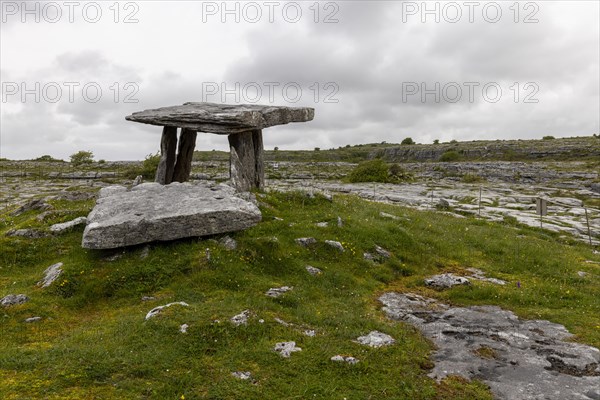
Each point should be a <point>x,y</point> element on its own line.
<point>436,141</point>
<point>276,148</point>
<point>407,141</point>
<point>82,157</point>
<point>453,141</point>
<point>548,138</point>
<point>317,149</point>
<point>347,146</point>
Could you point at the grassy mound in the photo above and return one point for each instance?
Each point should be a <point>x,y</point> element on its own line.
<point>93,341</point>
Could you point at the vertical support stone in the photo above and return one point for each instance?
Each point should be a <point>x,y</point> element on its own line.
<point>166,165</point>
<point>185,153</point>
<point>242,164</point>
<point>259,159</point>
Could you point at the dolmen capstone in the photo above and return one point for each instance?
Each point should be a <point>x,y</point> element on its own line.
<point>153,212</point>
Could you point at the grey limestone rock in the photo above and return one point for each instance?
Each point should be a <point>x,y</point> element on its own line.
<point>335,244</point>
<point>445,281</point>
<point>13,299</point>
<point>276,292</point>
<point>153,212</point>
<point>51,274</point>
<point>59,228</point>
<point>241,318</point>
<point>157,310</point>
<point>285,349</point>
<point>313,270</point>
<point>305,242</point>
<point>376,339</point>
<point>518,359</point>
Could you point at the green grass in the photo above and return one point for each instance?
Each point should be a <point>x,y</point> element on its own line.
<point>93,341</point>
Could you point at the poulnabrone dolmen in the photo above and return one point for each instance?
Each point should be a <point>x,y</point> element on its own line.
<point>243,125</point>
<point>170,209</point>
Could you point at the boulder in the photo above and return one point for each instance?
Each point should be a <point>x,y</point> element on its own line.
<point>153,212</point>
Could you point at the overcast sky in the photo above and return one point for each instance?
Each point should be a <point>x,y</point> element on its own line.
<point>373,71</point>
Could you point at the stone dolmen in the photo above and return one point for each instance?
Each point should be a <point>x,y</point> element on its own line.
<point>243,125</point>
<point>168,208</point>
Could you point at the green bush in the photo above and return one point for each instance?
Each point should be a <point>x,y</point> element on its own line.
<point>147,170</point>
<point>47,157</point>
<point>82,157</point>
<point>377,170</point>
<point>472,178</point>
<point>370,171</point>
<point>449,156</point>
<point>548,138</point>
<point>407,141</point>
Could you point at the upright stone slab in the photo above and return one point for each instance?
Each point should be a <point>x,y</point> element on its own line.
<point>185,154</point>
<point>259,159</point>
<point>242,168</point>
<point>166,165</point>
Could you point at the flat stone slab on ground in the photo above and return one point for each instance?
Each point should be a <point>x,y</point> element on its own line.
<point>153,212</point>
<point>376,339</point>
<point>445,281</point>
<point>13,299</point>
<point>518,359</point>
<point>222,118</point>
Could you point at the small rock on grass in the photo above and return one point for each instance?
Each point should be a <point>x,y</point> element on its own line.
<point>382,252</point>
<point>347,359</point>
<point>157,310</point>
<point>241,318</point>
<point>243,375</point>
<point>285,349</point>
<point>33,319</point>
<point>322,224</point>
<point>183,328</point>
<point>581,274</point>
<point>313,270</point>
<point>310,333</point>
<point>27,233</point>
<point>307,241</point>
<point>390,216</point>
<point>145,252</point>
<point>376,339</point>
<point>228,243</point>
<point>51,274</point>
<point>60,228</point>
<point>13,299</point>
<point>445,281</point>
<point>335,245</point>
<point>276,292</point>
<point>340,223</point>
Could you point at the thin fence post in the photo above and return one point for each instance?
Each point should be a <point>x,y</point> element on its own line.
<point>587,221</point>
<point>480,189</point>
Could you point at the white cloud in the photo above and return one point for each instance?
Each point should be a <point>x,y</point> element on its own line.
<point>370,54</point>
